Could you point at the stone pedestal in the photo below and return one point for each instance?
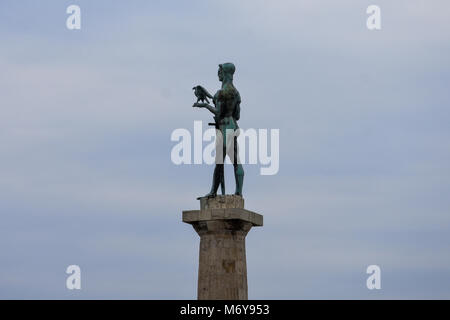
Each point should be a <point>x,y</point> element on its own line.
<point>222,224</point>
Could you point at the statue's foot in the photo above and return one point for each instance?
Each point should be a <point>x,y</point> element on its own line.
<point>238,193</point>
<point>209,195</point>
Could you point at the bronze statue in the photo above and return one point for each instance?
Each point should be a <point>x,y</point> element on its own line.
<point>226,114</point>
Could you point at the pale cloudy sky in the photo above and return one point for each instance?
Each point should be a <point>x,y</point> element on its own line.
<point>85,124</point>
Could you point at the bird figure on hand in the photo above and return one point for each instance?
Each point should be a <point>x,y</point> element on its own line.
<point>201,94</point>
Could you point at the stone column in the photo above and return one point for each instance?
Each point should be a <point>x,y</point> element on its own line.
<point>222,224</point>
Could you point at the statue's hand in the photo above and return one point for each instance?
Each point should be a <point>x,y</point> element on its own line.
<point>199,105</point>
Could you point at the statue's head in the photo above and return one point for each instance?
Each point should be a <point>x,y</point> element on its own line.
<point>226,71</point>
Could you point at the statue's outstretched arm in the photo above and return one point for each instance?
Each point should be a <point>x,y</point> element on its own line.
<point>215,111</point>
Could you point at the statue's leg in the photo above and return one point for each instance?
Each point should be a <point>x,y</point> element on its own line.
<point>218,176</point>
<point>238,169</point>
<point>233,153</point>
<point>222,180</point>
<point>239,177</point>
<point>222,173</point>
